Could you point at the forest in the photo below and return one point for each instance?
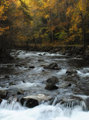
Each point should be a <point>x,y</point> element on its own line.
<point>43,23</point>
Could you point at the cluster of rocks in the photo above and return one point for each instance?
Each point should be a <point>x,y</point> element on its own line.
<point>51,84</point>
<point>34,100</point>
<point>31,101</point>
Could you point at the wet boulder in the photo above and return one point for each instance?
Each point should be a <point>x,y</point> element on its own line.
<point>31,67</point>
<point>34,100</point>
<point>11,83</point>
<point>53,66</point>
<point>50,86</point>
<point>51,83</point>
<point>72,76</point>
<point>71,72</point>
<point>53,80</point>
<point>20,92</point>
<point>30,102</point>
<point>3,94</point>
<point>7,76</point>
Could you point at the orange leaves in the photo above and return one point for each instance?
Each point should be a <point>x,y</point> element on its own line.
<point>1,10</point>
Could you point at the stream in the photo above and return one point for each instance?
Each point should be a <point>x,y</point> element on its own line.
<point>27,75</point>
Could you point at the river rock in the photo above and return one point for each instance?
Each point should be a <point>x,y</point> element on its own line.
<point>71,72</point>
<point>72,78</point>
<point>3,94</point>
<point>30,103</point>
<point>31,67</point>
<point>7,76</point>
<point>53,80</point>
<point>53,66</point>
<point>34,100</point>
<point>11,83</point>
<point>51,83</point>
<point>0,100</point>
<point>50,86</point>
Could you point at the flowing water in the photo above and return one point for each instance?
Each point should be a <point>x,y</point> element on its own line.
<point>32,81</point>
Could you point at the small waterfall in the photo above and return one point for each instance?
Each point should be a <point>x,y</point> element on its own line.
<point>10,105</point>
<point>71,103</point>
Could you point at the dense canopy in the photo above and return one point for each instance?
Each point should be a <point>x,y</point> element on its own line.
<point>44,22</point>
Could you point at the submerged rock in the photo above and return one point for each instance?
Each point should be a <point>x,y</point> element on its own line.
<point>53,66</point>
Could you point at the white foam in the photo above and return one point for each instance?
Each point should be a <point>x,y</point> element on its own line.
<point>82,74</point>
<point>24,54</point>
<point>43,112</point>
<point>61,72</point>
<point>24,86</point>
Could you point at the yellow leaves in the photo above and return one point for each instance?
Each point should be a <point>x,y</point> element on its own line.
<point>82,5</point>
<point>69,11</point>
<point>1,10</point>
<point>2,30</point>
<point>46,16</point>
<point>21,37</point>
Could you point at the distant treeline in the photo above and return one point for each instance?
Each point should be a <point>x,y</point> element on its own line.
<point>43,22</point>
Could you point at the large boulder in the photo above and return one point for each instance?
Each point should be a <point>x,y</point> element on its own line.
<point>29,102</point>
<point>34,100</point>
<point>53,66</point>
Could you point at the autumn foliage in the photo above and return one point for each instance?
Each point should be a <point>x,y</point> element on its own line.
<point>28,22</point>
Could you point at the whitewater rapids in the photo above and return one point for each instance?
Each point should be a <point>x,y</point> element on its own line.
<point>15,111</point>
